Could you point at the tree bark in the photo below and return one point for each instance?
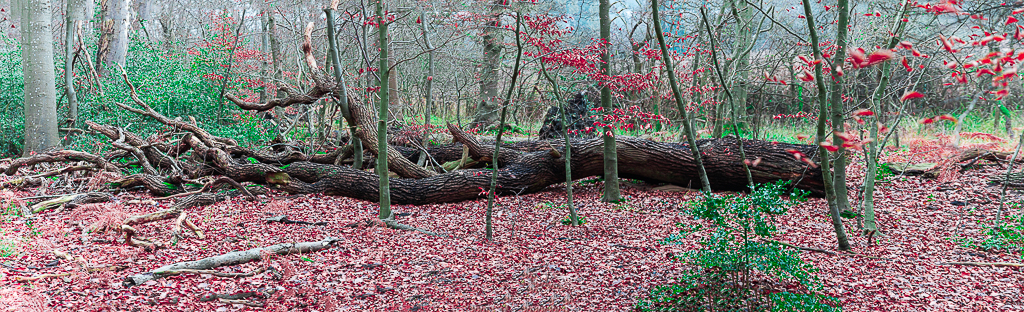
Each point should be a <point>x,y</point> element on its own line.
<point>487,109</point>
<point>113,45</point>
<point>830,192</point>
<point>691,137</point>
<point>383,191</point>
<point>611,166</point>
<point>40,94</point>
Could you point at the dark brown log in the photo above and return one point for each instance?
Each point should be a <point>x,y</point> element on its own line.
<point>532,172</point>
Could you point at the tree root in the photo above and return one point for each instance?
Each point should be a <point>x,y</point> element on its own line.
<point>232,258</point>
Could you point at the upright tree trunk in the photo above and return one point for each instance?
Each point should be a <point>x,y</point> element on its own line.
<point>562,103</point>
<point>488,229</point>
<point>277,59</point>
<point>691,139</point>
<point>830,191</point>
<point>332,38</point>
<point>741,58</point>
<point>40,106</point>
<point>429,86</point>
<point>69,69</point>
<point>838,109</point>
<point>113,45</point>
<point>611,166</point>
<point>729,96</point>
<point>382,114</point>
<point>487,109</point>
<point>877,104</point>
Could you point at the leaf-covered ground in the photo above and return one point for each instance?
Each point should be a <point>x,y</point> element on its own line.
<point>535,262</point>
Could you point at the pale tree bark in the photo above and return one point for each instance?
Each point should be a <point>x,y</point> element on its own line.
<point>40,106</point>
<point>113,45</point>
<point>611,162</point>
<point>487,108</point>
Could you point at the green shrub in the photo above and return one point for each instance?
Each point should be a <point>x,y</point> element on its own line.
<point>739,253</point>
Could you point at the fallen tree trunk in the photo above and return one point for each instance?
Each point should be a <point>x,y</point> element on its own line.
<point>534,171</point>
<point>231,258</point>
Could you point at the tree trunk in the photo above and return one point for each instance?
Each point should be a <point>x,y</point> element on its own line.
<point>487,109</point>
<point>611,166</point>
<point>839,110</point>
<point>691,138</point>
<point>429,86</point>
<point>113,45</point>
<point>69,69</point>
<point>868,205</point>
<point>382,128</point>
<point>40,107</point>
<point>830,192</point>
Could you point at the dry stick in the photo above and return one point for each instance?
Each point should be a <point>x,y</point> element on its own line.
<point>232,258</point>
<point>88,60</point>
<point>501,130</point>
<point>691,139</point>
<point>721,80</point>
<point>993,264</point>
<point>39,277</point>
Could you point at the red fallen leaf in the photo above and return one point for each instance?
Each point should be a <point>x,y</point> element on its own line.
<point>927,121</point>
<point>878,56</point>
<point>828,146</point>
<point>1010,20</point>
<point>807,76</point>
<point>846,136</point>
<point>859,121</point>
<point>906,45</point>
<point>946,44</point>
<point>985,71</point>
<point>1001,93</point>
<point>857,57</point>
<point>863,112</point>
<point>801,137</point>
<point>917,53</point>
<point>796,154</point>
<point>911,95</point>
<point>947,117</point>
<point>905,65</point>
<point>1006,74</point>
<point>882,128</point>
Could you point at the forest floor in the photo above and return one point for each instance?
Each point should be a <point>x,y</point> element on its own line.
<point>534,263</point>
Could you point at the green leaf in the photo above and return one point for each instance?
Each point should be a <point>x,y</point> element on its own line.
<point>307,259</point>
<point>253,160</point>
<point>1004,110</point>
